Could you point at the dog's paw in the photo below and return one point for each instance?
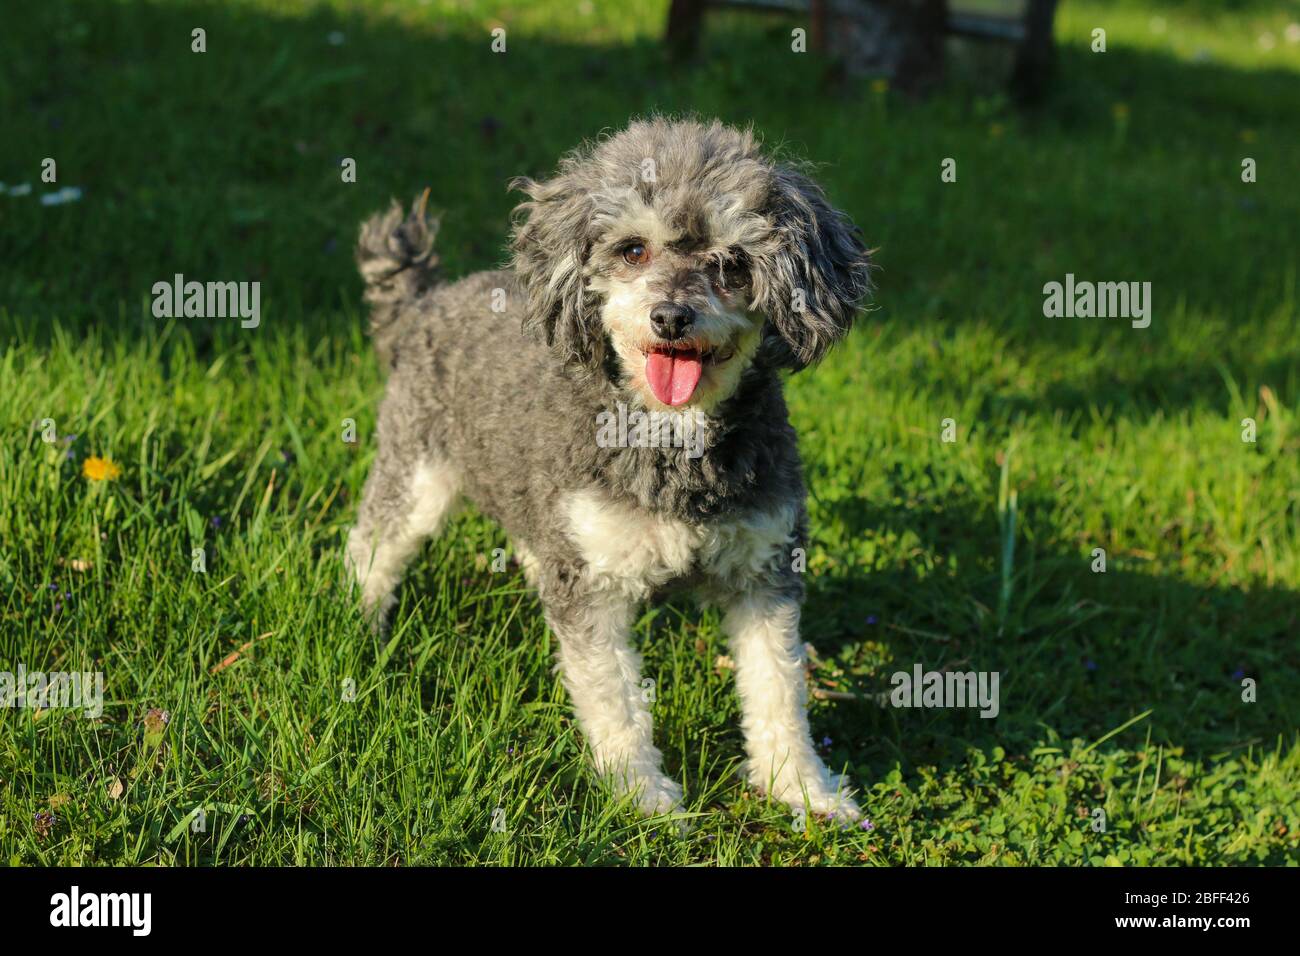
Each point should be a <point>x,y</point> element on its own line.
<point>657,795</point>
<point>812,787</point>
<point>638,777</point>
<point>664,799</point>
<point>836,800</point>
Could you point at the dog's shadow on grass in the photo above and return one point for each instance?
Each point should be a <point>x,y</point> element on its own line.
<point>1078,650</point>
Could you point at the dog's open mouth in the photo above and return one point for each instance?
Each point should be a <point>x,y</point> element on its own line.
<point>673,372</point>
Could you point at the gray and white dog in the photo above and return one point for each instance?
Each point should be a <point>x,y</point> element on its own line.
<point>665,274</point>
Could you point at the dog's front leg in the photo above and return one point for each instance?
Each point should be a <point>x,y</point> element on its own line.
<point>602,672</point>
<point>763,627</point>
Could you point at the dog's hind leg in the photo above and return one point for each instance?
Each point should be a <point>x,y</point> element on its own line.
<point>602,672</point>
<point>403,504</point>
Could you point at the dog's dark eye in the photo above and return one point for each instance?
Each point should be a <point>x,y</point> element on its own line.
<point>733,275</point>
<point>636,254</point>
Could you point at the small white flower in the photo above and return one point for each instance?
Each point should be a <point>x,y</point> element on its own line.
<point>1293,33</point>
<point>1266,41</point>
<point>336,38</point>
<point>65,195</point>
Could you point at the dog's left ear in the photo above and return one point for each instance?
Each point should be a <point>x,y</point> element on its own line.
<point>550,245</point>
<point>812,283</point>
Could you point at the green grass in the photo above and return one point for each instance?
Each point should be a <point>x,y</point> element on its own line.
<point>1120,691</point>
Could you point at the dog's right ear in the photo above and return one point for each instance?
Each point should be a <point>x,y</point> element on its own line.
<point>550,247</point>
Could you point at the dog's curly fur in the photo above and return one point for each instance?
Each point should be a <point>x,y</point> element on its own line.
<point>496,383</point>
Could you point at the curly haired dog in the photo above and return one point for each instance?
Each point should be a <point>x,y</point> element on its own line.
<point>665,275</point>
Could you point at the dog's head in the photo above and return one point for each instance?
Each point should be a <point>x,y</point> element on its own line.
<point>691,255</point>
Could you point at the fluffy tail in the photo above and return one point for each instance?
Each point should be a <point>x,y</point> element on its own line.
<point>398,262</point>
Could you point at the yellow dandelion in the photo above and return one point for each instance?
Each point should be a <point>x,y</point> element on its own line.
<point>1249,136</point>
<point>879,86</point>
<point>1120,111</point>
<point>996,130</point>
<point>100,469</point>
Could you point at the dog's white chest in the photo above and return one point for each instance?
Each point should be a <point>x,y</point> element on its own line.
<point>633,552</point>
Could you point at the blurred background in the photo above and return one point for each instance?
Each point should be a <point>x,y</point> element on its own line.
<point>227,162</point>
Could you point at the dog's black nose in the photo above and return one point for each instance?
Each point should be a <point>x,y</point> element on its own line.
<point>670,320</point>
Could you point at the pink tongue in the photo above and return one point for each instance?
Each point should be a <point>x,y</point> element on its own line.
<point>673,375</point>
